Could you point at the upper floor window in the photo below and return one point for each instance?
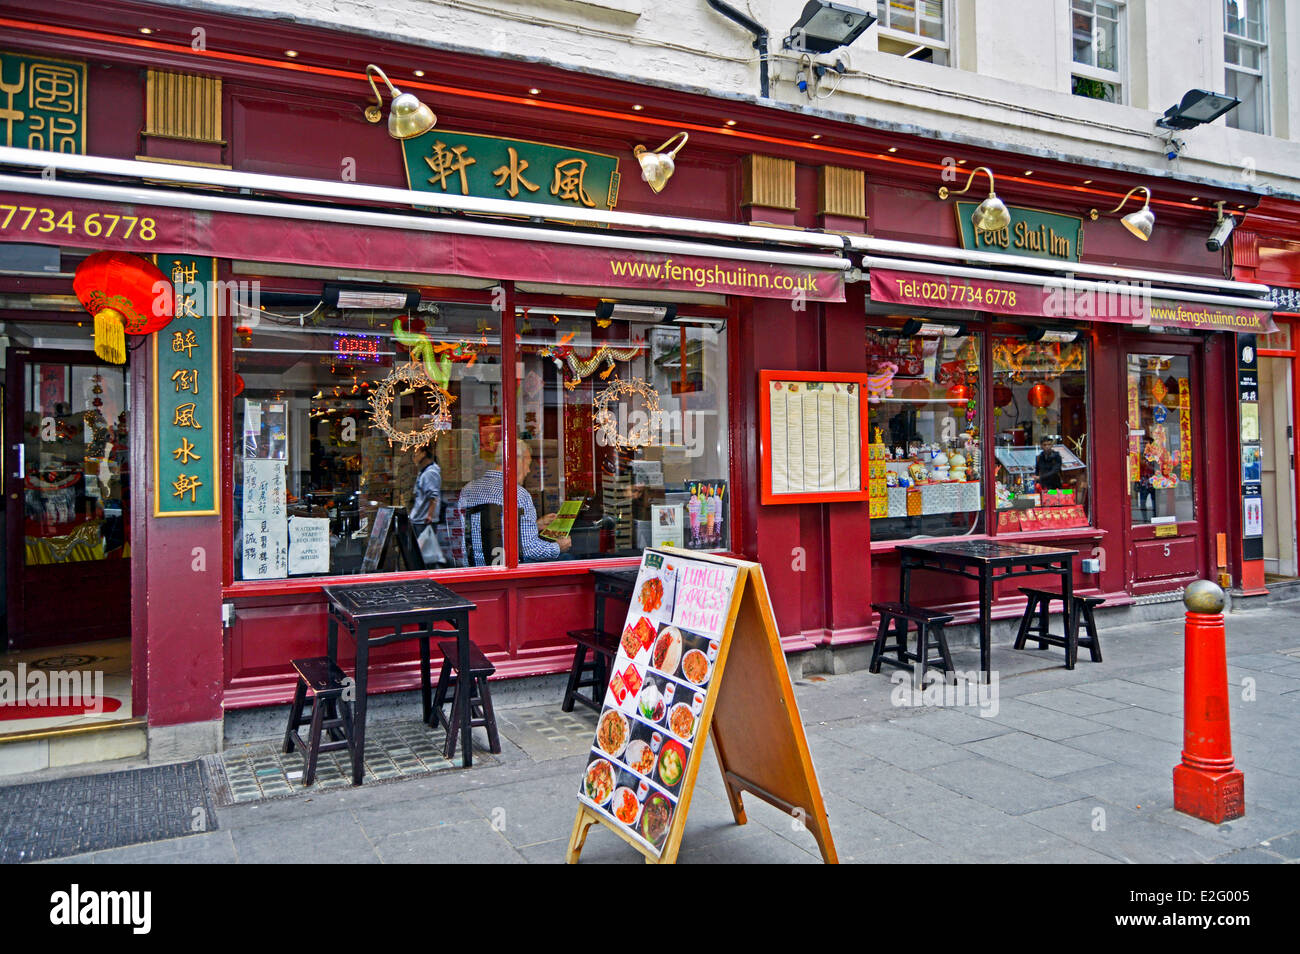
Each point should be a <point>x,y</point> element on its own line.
<point>916,29</point>
<point>1097,28</point>
<point>1245,57</point>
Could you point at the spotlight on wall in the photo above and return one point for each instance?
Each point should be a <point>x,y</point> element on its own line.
<point>657,167</point>
<point>631,311</point>
<point>1141,222</point>
<point>991,215</point>
<point>407,117</point>
<point>824,26</point>
<point>1222,229</point>
<point>1196,108</point>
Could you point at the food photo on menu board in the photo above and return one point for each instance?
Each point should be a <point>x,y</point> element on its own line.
<point>659,683</point>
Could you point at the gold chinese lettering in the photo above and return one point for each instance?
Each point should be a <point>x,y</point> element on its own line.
<point>11,114</point>
<point>514,173</point>
<point>184,417</point>
<point>41,106</point>
<point>444,162</point>
<point>185,452</point>
<point>186,484</point>
<point>186,379</point>
<point>185,341</point>
<point>568,182</point>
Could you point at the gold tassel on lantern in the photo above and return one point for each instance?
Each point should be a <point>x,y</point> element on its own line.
<point>110,336</point>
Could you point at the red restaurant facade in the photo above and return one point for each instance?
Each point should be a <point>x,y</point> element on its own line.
<point>781,242</point>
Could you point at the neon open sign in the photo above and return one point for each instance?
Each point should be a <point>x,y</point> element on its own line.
<point>357,347</point>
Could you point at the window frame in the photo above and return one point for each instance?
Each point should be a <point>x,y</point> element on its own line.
<point>1262,47</point>
<point>914,37</point>
<point>1117,77</point>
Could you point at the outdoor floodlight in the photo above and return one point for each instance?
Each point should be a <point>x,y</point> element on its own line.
<point>824,26</point>
<point>1198,107</point>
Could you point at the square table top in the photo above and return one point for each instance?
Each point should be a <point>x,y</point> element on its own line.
<point>406,598</point>
<point>977,552</point>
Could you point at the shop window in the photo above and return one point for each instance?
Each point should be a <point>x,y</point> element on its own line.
<point>1245,58</point>
<point>1160,453</point>
<point>924,399</point>
<point>916,29</point>
<point>1040,424</point>
<point>623,421</point>
<point>313,469</point>
<point>1097,34</point>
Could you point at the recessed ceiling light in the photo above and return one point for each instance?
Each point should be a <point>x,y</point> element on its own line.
<point>961,162</point>
<point>419,72</point>
<point>145,30</point>
<point>1087,182</point>
<point>731,122</point>
<point>1196,198</point>
<point>817,135</point>
<point>533,91</point>
<point>291,53</point>
<point>638,107</point>
<point>1241,206</point>
<point>893,149</point>
<point>1029,172</point>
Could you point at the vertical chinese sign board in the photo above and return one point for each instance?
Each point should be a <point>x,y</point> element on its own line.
<point>1252,487</point>
<point>699,658</point>
<point>185,397</point>
<point>42,103</point>
<point>455,163</point>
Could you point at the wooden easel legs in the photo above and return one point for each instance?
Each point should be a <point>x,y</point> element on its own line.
<point>581,824</point>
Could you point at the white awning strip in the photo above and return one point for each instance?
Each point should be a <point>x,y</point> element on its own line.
<point>459,226</point>
<point>1054,281</point>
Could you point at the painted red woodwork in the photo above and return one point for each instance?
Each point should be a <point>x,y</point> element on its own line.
<point>765,377</point>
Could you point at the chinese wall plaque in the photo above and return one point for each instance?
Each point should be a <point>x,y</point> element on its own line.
<point>185,381</point>
<point>455,163</point>
<point>42,103</point>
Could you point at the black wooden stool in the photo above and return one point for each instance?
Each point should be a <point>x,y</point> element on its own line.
<point>590,673</point>
<point>478,698</point>
<point>1034,624</point>
<point>895,620</point>
<point>325,681</point>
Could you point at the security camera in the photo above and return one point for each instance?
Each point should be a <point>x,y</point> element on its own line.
<point>1221,232</point>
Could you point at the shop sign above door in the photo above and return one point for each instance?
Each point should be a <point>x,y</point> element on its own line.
<point>42,103</point>
<point>1032,232</point>
<point>456,163</point>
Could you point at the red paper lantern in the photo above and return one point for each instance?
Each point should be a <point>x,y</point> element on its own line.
<point>914,391</point>
<point>122,292</point>
<point>239,385</point>
<point>1040,396</point>
<point>958,395</point>
<point>1002,395</point>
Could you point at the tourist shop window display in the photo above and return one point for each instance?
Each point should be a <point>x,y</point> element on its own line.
<point>1159,412</point>
<point>625,419</point>
<point>333,413</point>
<point>926,451</point>
<point>1040,425</point>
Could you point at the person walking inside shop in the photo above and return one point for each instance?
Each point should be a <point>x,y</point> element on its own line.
<point>1047,468</point>
<point>487,490</point>
<point>428,499</point>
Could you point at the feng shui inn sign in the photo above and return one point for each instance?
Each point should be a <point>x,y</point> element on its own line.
<point>1031,232</point>
<point>699,660</point>
<point>185,386</point>
<point>455,163</point>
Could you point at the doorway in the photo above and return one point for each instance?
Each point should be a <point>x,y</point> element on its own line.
<point>1277,410</point>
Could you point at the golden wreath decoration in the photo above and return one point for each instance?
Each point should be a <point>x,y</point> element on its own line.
<point>606,424</point>
<point>415,378</point>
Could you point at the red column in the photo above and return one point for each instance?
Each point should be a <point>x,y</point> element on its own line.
<point>1206,784</point>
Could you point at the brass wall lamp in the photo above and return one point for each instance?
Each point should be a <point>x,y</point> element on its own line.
<point>657,167</point>
<point>1141,222</point>
<point>407,118</point>
<point>991,215</point>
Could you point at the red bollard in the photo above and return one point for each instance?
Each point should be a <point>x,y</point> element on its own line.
<point>1206,784</point>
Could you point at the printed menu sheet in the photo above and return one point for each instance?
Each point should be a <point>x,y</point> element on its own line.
<point>265,544</point>
<point>816,444</point>
<point>646,737</point>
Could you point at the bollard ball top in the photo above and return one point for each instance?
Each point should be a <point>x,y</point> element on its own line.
<point>1203,597</point>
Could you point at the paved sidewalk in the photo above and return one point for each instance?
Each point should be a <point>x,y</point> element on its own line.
<point>1074,767</point>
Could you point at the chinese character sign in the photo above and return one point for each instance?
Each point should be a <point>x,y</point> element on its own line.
<point>42,103</point>
<point>452,163</point>
<point>185,381</point>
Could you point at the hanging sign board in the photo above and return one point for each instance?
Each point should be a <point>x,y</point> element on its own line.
<point>699,658</point>
<point>1031,232</point>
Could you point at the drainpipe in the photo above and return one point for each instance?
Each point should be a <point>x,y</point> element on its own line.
<point>760,39</point>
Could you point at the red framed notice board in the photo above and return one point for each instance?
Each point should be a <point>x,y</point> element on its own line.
<point>813,436</point>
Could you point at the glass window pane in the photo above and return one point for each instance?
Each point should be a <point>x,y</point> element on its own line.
<point>306,432</point>
<point>931,17</point>
<point>1095,89</point>
<point>902,15</point>
<point>1245,18</point>
<point>639,480</point>
<point>1040,423</point>
<point>1161,475</point>
<point>1249,115</point>
<point>924,408</point>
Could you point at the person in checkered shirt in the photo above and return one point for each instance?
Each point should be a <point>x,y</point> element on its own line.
<point>487,490</point>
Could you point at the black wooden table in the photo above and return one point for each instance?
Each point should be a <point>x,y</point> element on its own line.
<point>394,611</point>
<point>988,562</point>
<point>612,584</point>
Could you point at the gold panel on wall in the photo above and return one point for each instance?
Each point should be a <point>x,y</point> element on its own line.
<point>183,106</point>
<point>768,182</point>
<point>842,192</point>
